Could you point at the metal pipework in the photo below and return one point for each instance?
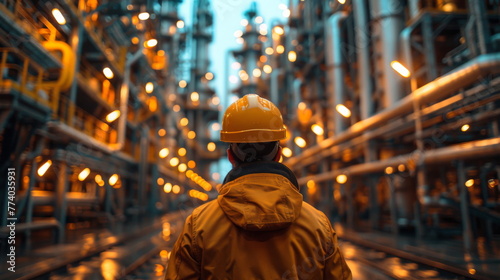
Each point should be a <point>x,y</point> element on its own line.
<point>460,77</point>
<point>335,73</point>
<point>468,150</point>
<point>389,16</point>
<point>362,46</point>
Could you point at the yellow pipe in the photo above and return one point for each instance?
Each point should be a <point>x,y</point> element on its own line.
<point>68,64</point>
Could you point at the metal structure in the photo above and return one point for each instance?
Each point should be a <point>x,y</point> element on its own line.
<point>91,111</point>
<point>377,147</point>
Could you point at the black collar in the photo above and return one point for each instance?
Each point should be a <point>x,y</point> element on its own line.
<point>272,167</point>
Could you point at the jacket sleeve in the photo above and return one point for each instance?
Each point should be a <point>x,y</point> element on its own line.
<point>335,264</point>
<point>183,263</point>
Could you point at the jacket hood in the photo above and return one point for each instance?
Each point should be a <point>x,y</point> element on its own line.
<point>261,196</point>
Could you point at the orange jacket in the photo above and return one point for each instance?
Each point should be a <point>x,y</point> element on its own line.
<point>259,228</point>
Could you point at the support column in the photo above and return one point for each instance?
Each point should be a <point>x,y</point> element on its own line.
<point>61,202</point>
<point>464,207</point>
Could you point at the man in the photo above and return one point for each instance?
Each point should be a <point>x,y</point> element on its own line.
<point>259,227</point>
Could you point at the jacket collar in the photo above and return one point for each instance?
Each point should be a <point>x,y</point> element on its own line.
<point>272,167</point>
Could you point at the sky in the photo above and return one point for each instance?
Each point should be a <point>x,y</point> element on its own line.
<point>227,17</point>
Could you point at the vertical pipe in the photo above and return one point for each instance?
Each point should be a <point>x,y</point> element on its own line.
<point>389,15</point>
<point>61,203</point>
<point>392,204</point>
<point>363,51</point>
<point>482,29</point>
<point>414,8</point>
<point>335,73</point>
<point>464,207</point>
<point>76,45</point>
<point>430,56</point>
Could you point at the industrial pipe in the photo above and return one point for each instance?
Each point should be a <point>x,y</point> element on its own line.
<point>460,77</point>
<point>335,73</point>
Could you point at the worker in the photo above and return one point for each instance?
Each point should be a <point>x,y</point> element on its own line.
<point>259,227</point>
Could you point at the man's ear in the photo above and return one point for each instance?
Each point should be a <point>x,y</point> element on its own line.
<point>231,157</point>
<point>278,155</point>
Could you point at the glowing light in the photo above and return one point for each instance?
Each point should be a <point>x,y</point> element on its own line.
<point>58,16</point>
<point>215,100</point>
<point>343,110</point>
<point>195,96</point>
<point>167,188</point>
<point>176,108</point>
<point>149,87</point>
<point>98,179</point>
<point>84,174</point>
<point>267,69</point>
<point>259,19</point>
<point>287,152</point>
<point>211,146</point>
<point>135,40</point>
<point>180,24</point>
<point>292,56</point>
<point>317,129</point>
<point>280,49</point>
<point>113,116</point>
<point>164,152</point>
<point>143,16</point>
<point>469,183</point>
<point>341,1</point>
<point>472,271</point>
<point>113,179</point>
<point>191,164</point>
<point>302,106</point>
<point>236,65</point>
<point>191,134</point>
<point>398,67</point>
<point>162,132</point>
<point>181,152</point>
<point>184,121</point>
<point>269,51</point>
<point>286,13</point>
<point>300,141</point>
<point>240,40</point>
<point>244,22</point>
<point>341,179</point>
<point>151,43</point>
<point>256,72</point>
<point>465,127</point>
<point>215,126</point>
<point>233,79</point>
<point>160,181</point>
<point>176,189</point>
<point>182,167</point>
<point>108,73</point>
<point>182,84</point>
<point>44,168</point>
<point>238,33</point>
<point>279,30</point>
<point>389,170</point>
<point>311,184</point>
<point>174,161</point>
<point>401,167</point>
<point>209,76</point>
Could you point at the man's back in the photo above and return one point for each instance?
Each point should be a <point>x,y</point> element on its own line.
<point>259,228</point>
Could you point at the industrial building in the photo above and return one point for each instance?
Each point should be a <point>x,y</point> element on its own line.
<point>109,126</point>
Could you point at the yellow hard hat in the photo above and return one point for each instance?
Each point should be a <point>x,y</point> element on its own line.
<point>252,119</point>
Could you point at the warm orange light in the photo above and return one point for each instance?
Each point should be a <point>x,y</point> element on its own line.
<point>389,170</point>
<point>149,87</point>
<point>163,153</point>
<point>317,129</point>
<point>182,167</point>
<point>162,132</point>
<point>180,24</point>
<point>465,127</point>
<point>398,67</point>
<point>58,16</point>
<point>209,76</point>
<point>287,152</point>
<point>280,49</point>
<point>341,179</point>
<point>343,110</point>
<point>182,152</point>
<point>176,108</point>
<point>160,181</point>
<point>44,168</point>
<point>143,16</point>
<point>113,116</point>
<point>300,141</point>
<point>279,30</point>
<point>292,56</point>
<point>211,146</point>
<point>184,121</point>
<point>113,179</point>
<point>268,69</point>
<point>150,43</point>
<point>84,174</point>
<point>191,164</point>
<point>269,51</point>
<point>469,183</point>
<point>191,134</point>
<point>176,189</point>
<point>174,161</point>
<point>215,100</point>
<point>108,73</point>
<point>167,188</point>
<point>182,84</point>
<point>195,96</point>
<point>256,72</point>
